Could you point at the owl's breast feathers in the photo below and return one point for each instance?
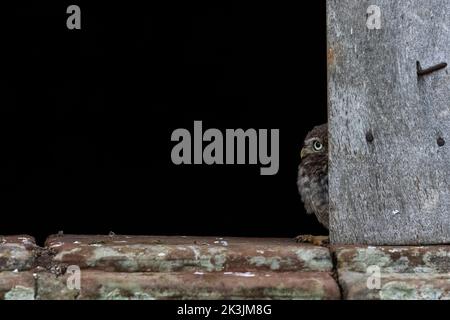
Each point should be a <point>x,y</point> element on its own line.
<point>313,187</point>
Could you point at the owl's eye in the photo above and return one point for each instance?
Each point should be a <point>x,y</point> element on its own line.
<point>317,146</point>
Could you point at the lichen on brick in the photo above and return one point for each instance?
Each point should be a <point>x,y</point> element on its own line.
<point>214,260</point>
<point>397,290</point>
<point>15,256</point>
<point>438,261</point>
<point>20,293</point>
<point>118,294</point>
<point>272,263</point>
<point>315,259</point>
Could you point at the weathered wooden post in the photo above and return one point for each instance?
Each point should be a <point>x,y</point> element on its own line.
<point>389,121</point>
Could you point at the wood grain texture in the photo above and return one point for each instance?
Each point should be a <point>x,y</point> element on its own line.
<point>394,190</point>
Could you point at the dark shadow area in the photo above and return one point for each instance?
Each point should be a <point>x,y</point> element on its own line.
<point>88,116</point>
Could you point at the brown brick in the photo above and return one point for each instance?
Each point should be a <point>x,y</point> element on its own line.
<point>54,287</point>
<point>16,253</point>
<point>173,254</point>
<point>425,259</point>
<point>192,285</point>
<point>400,286</point>
<point>405,272</point>
<point>16,285</point>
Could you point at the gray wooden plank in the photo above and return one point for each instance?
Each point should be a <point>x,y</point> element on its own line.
<point>395,189</point>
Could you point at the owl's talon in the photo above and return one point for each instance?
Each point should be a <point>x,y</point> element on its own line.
<point>314,240</point>
<point>303,239</point>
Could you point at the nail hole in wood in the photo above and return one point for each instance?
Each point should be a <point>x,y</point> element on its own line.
<point>369,137</point>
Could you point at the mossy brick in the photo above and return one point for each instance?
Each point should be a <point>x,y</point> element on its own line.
<point>176,254</point>
<point>99,285</point>
<point>395,286</point>
<point>411,259</point>
<point>17,285</point>
<point>16,253</point>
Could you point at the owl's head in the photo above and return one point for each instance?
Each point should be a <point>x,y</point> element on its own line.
<point>316,142</point>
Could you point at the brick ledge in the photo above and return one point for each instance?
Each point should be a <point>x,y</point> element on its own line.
<point>146,267</point>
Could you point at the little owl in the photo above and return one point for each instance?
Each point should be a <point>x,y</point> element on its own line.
<point>313,174</point>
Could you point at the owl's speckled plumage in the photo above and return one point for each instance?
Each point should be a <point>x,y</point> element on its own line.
<point>313,174</point>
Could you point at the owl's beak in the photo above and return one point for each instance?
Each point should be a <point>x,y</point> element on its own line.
<point>304,153</point>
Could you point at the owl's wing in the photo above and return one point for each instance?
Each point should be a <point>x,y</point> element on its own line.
<point>314,194</point>
<point>322,215</point>
<point>320,205</point>
<point>306,193</point>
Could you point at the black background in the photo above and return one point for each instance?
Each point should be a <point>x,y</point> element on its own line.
<point>89,113</point>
